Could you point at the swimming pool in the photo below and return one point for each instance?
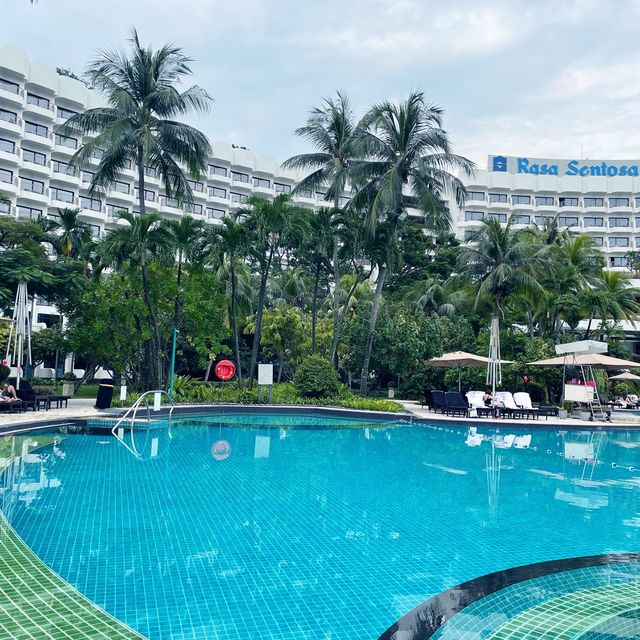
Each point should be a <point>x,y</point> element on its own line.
<point>247,526</point>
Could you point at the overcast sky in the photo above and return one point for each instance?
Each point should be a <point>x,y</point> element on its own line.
<point>537,78</point>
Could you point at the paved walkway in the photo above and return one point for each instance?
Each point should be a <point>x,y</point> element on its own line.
<point>78,408</point>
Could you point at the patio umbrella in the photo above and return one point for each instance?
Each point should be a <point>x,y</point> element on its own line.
<point>595,360</point>
<point>626,376</point>
<point>19,344</point>
<point>460,359</point>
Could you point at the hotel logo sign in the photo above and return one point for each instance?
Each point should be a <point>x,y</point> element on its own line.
<point>583,168</point>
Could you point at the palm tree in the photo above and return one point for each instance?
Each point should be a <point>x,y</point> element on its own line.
<point>4,198</point>
<point>138,126</point>
<point>74,232</point>
<point>407,165</point>
<point>231,243</point>
<point>272,224</point>
<point>185,235</point>
<point>144,238</point>
<point>331,130</point>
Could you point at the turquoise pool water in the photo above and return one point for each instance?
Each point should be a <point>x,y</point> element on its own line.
<point>281,527</point>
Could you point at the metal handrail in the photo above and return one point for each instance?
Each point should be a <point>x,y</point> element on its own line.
<point>134,407</point>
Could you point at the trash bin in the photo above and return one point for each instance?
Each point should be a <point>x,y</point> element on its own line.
<point>105,395</point>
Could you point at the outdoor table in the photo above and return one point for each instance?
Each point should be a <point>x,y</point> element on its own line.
<point>43,400</point>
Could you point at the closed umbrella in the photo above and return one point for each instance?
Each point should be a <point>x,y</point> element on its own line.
<point>19,343</point>
<point>494,367</point>
<point>460,359</point>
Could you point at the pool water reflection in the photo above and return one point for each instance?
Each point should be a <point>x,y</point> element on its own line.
<point>262,527</point>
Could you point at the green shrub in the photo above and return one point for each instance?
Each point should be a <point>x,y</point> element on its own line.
<point>316,378</point>
<point>4,372</point>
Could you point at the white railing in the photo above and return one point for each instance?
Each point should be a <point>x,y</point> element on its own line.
<point>118,431</point>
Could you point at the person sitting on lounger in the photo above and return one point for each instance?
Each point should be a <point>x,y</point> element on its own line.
<point>486,398</point>
<point>8,393</point>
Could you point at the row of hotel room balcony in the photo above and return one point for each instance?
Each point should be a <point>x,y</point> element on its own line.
<point>585,222</point>
<point>584,202</point>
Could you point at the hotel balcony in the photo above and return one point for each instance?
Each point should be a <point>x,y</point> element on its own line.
<point>11,127</point>
<point>42,170</point>
<point>67,179</point>
<point>42,112</point>
<point>10,188</point>
<point>12,99</point>
<point>34,196</point>
<point>34,138</point>
<point>10,157</point>
<point>121,196</point>
<point>64,149</point>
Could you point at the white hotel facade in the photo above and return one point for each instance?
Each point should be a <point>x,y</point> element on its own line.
<point>601,198</point>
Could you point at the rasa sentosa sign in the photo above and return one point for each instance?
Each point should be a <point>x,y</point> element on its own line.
<point>543,167</point>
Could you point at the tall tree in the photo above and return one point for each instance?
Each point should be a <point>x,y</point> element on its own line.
<point>408,163</point>
<point>331,130</point>
<point>139,126</point>
<point>228,250</point>
<point>273,225</point>
<point>143,238</point>
<point>70,232</point>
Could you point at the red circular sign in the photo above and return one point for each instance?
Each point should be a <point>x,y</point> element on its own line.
<point>220,449</point>
<point>225,370</point>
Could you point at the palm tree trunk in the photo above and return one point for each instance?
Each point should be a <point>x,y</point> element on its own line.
<point>530,324</point>
<point>256,336</point>
<point>314,309</point>
<point>176,302</point>
<point>377,298</point>
<point>234,320</point>
<point>336,294</point>
<point>588,331</point>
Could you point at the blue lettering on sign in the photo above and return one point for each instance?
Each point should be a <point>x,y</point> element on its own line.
<point>574,168</point>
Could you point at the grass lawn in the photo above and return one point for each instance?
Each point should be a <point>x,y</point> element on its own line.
<point>86,391</point>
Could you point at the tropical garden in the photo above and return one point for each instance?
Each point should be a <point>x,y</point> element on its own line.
<point>349,299</point>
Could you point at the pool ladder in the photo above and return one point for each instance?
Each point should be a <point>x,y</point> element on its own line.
<point>133,410</point>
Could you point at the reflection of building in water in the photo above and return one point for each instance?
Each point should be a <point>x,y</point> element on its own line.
<point>28,473</point>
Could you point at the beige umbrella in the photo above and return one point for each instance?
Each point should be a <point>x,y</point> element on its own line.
<point>595,360</point>
<point>626,376</point>
<point>460,359</point>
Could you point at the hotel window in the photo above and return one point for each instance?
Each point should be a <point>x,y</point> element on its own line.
<point>6,175</point>
<point>618,222</point>
<point>112,209</point>
<point>8,116</point>
<point>598,240</point>
<point>193,208</point>
<point>149,196</point>
<point>62,167</point>
<point>475,195</point>
<point>282,188</point>
<point>637,241</point>
<point>594,202</point>
<point>343,201</point>
<point>35,186</point>
<point>62,194</point>
<point>34,157</point>
<point>543,220</point>
<point>637,219</point>
<point>473,215</point>
<point>94,204</point>
<point>215,213</point>
<point>500,217</point>
<point>97,153</point>
<point>305,193</point>
<point>7,146</point>
<point>39,101</point>
<point>5,207</point>
<point>545,201</point>
<point>520,199</point>
<point>66,141</point>
<point>618,202</point>
<point>35,128</point>
<point>240,177</point>
<point>167,202</point>
<point>469,235</point>
<point>87,176</point>
<point>497,197</point>
<point>150,173</point>
<point>618,261</point>
<point>121,187</point>
<point>196,186</point>
<point>127,164</point>
<point>618,242</point>
<point>239,198</point>
<point>29,212</point>
<point>568,221</point>
<point>320,195</point>
<point>568,202</point>
<point>520,219</point>
<point>263,183</point>
<point>9,86</point>
<point>66,113</point>
<point>593,222</point>
<point>95,230</point>
<point>215,170</point>
<point>217,192</point>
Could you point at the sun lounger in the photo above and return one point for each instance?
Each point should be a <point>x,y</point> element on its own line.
<point>12,405</point>
<point>507,405</point>
<point>523,399</point>
<point>474,398</point>
<point>456,404</point>
<point>438,401</point>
